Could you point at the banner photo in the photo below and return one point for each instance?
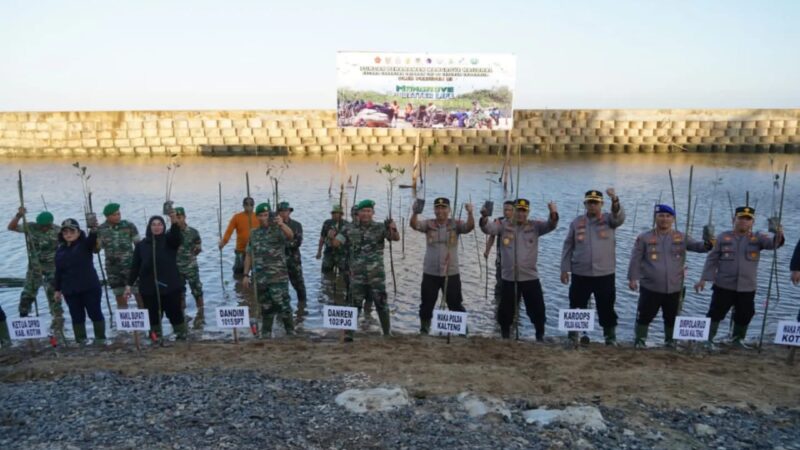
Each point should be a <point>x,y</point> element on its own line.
<point>425,90</point>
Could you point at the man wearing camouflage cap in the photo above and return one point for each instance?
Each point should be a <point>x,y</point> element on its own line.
<point>294,261</point>
<point>519,250</point>
<point>656,270</point>
<point>364,241</point>
<point>191,246</point>
<point>42,238</point>
<point>440,270</point>
<point>334,260</point>
<point>266,257</point>
<point>733,267</point>
<point>589,253</point>
<point>118,238</point>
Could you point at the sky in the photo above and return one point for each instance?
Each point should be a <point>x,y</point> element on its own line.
<point>197,54</point>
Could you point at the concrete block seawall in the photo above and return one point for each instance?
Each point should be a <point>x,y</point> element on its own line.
<point>220,133</point>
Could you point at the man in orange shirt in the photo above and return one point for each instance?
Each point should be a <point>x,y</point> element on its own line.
<point>242,222</point>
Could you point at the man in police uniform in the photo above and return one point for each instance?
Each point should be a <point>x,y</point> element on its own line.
<point>794,267</point>
<point>519,250</point>
<point>508,213</point>
<point>440,270</point>
<point>590,254</point>
<point>732,266</point>
<point>656,271</point>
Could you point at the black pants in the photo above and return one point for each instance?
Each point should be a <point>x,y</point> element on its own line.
<point>82,303</point>
<point>649,304</point>
<point>431,285</point>
<point>531,291</point>
<point>170,305</point>
<point>722,300</point>
<point>2,315</point>
<point>238,263</point>
<point>605,295</point>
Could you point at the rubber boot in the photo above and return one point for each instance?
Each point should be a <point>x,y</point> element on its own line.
<point>266,326</point>
<point>610,335</point>
<point>367,310</point>
<point>5,337</point>
<point>181,331</point>
<point>739,334</point>
<point>386,323</point>
<point>200,319</point>
<point>288,323</point>
<point>669,342</point>
<point>99,333</point>
<point>539,333</point>
<point>641,336</point>
<point>80,333</point>
<point>505,331</point>
<point>424,326</point>
<point>712,333</point>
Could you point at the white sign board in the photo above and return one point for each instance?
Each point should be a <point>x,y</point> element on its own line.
<point>691,328</point>
<point>788,333</point>
<point>340,317</point>
<point>452,322</point>
<point>233,317</point>
<point>26,328</point>
<point>132,319</point>
<point>576,319</point>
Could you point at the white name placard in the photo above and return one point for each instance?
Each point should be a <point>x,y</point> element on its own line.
<point>26,328</point>
<point>576,319</point>
<point>452,322</point>
<point>788,333</point>
<point>340,317</point>
<point>233,317</point>
<point>691,328</point>
<point>132,319</point>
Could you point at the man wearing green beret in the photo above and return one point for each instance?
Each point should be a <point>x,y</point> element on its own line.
<point>42,238</point>
<point>191,246</point>
<point>266,256</point>
<point>118,238</point>
<point>364,241</point>
<point>294,262</point>
<point>334,260</point>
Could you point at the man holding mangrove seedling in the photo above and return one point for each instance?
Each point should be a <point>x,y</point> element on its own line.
<point>42,236</point>
<point>118,238</point>
<point>519,250</point>
<point>191,246</point>
<point>440,270</point>
<point>732,265</point>
<point>334,260</point>
<point>656,270</point>
<point>508,213</point>
<point>265,264</point>
<point>294,261</point>
<point>364,241</point>
<point>589,253</point>
<point>241,223</point>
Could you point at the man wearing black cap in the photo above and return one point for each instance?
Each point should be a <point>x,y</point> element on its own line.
<point>519,253</point>
<point>440,269</point>
<point>294,262</point>
<point>508,214</point>
<point>733,267</point>
<point>657,263</point>
<point>590,255</point>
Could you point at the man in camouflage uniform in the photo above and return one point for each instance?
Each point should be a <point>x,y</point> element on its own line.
<point>43,238</point>
<point>266,256</point>
<point>733,267</point>
<point>294,262</point>
<point>191,246</point>
<point>117,238</point>
<point>589,253</point>
<point>657,264</point>
<point>364,241</point>
<point>334,260</point>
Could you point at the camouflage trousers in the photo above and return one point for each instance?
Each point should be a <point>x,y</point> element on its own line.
<point>368,293</point>
<point>33,281</point>
<point>191,275</point>
<point>334,287</point>
<point>117,278</point>
<point>275,301</point>
<point>295,268</point>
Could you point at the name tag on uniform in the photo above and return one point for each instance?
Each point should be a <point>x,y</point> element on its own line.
<point>691,328</point>
<point>576,319</point>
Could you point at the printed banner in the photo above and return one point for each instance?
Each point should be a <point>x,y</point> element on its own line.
<point>425,90</point>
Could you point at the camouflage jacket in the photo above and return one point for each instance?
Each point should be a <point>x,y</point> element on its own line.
<point>293,246</point>
<point>44,240</point>
<point>191,246</point>
<point>339,255</point>
<point>118,242</point>
<point>267,247</point>
<point>365,245</point>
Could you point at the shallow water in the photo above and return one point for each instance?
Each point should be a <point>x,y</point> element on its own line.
<point>139,185</point>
